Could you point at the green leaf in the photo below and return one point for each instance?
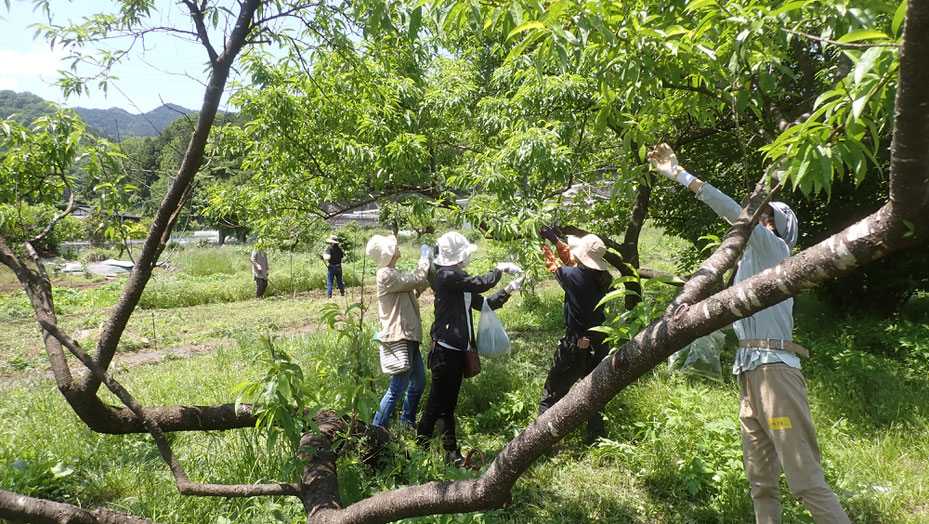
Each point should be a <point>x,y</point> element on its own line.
<point>525,27</point>
<point>898,18</point>
<point>825,169</point>
<point>866,63</point>
<point>862,34</point>
<point>858,106</point>
<point>613,295</point>
<point>697,4</point>
<point>416,19</point>
<point>788,7</point>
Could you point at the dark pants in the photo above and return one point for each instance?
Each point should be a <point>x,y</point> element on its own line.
<point>569,365</point>
<point>261,284</point>
<point>447,367</point>
<point>335,272</point>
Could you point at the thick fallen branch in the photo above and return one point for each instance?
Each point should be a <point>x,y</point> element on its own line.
<point>184,485</point>
<point>319,484</point>
<point>16,507</point>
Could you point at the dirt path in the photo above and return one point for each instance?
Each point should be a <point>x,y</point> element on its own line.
<point>124,361</point>
<point>127,359</point>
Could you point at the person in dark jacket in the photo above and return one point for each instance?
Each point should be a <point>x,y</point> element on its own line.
<point>333,259</point>
<point>582,274</point>
<point>452,333</point>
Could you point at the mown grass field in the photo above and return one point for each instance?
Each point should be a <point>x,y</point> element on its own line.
<point>672,452</point>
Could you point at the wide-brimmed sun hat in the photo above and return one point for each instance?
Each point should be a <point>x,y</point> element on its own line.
<point>332,239</point>
<point>454,248</point>
<point>786,223</point>
<point>588,250</point>
<point>381,249</point>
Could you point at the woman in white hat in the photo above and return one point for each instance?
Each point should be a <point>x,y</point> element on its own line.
<point>333,258</point>
<point>582,274</point>
<point>401,325</point>
<point>452,333</point>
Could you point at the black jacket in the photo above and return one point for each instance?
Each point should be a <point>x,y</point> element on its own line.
<point>335,254</point>
<point>583,288</point>
<point>449,284</point>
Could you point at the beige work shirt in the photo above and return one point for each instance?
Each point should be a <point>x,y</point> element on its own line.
<point>397,303</point>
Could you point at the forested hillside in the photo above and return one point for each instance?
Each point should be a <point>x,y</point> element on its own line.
<point>115,123</point>
<point>27,105</point>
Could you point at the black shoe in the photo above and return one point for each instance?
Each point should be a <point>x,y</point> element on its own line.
<point>454,458</point>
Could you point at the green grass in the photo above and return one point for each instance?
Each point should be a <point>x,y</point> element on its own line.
<point>672,454</point>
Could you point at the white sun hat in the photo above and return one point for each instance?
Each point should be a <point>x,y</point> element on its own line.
<point>381,249</point>
<point>454,248</point>
<point>588,250</point>
<point>786,223</point>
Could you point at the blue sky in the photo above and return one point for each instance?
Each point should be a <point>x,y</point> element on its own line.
<point>159,70</point>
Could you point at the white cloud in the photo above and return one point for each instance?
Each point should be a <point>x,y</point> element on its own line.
<point>35,62</point>
<point>9,83</point>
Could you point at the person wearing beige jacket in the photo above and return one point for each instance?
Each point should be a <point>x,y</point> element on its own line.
<point>401,325</point>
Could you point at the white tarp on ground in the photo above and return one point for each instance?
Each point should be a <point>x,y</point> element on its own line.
<point>107,267</point>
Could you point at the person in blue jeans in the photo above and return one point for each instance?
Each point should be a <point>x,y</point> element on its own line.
<point>401,325</point>
<point>333,259</point>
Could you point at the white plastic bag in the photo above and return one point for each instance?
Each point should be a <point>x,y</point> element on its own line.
<point>701,357</point>
<point>491,337</point>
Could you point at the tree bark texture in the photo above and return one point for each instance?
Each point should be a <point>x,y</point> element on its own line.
<point>28,509</point>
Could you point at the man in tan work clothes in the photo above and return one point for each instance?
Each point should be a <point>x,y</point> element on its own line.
<point>777,429</point>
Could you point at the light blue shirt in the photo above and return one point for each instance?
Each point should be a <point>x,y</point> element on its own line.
<point>764,250</point>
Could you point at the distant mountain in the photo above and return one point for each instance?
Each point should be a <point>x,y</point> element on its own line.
<point>116,124</point>
<point>26,106</point>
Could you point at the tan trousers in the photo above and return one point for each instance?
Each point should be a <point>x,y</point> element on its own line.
<point>778,432</point>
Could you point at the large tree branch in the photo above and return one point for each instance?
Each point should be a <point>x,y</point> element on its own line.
<point>173,199</point>
<point>150,423</point>
<point>909,150</point>
<point>39,291</point>
<point>22,508</point>
<point>196,13</point>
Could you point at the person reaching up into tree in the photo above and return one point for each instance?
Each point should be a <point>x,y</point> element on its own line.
<point>777,428</point>
<point>456,292</point>
<point>582,274</point>
<point>401,325</point>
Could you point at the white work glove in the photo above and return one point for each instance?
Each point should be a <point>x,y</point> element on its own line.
<point>665,162</point>
<point>514,284</point>
<point>425,252</point>
<point>509,267</point>
<point>326,257</point>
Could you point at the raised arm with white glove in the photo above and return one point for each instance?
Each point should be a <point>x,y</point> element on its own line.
<point>425,252</point>
<point>515,284</point>
<point>509,267</point>
<point>665,162</point>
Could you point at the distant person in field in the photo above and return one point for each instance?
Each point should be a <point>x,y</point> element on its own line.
<point>259,270</point>
<point>777,428</point>
<point>582,274</point>
<point>456,293</point>
<point>333,258</point>
<point>401,325</point>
